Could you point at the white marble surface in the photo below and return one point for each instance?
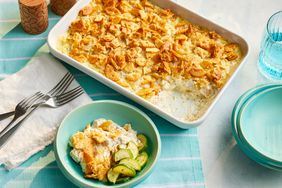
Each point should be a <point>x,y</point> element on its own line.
<point>224,164</point>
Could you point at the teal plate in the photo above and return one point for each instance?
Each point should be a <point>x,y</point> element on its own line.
<point>261,123</point>
<point>249,151</point>
<point>243,99</point>
<point>120,113</point>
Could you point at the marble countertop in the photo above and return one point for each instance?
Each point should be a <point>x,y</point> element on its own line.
<point>225,165</point>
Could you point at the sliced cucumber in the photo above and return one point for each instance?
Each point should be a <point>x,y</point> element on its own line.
<point>112,176</point>
<point>142,158</point>
<point>125,170</point>
<point>122,180</point>
<point>122,154</point>
<point>143,140</point>
<point>131,163</point>
<point>133,148</point>
<point>122,146</point>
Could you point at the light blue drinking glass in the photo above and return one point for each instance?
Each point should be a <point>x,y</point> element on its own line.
<point>270,58</point>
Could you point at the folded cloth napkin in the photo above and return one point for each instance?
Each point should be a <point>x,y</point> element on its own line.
<point>41,74</point>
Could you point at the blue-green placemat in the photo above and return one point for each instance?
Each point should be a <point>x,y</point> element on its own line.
<point>179,164</point>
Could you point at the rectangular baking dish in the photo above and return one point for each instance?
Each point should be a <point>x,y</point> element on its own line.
<point>62,26</point>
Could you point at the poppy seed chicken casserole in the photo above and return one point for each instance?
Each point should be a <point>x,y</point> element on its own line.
<point>109,152</point>
<point>174,64</point>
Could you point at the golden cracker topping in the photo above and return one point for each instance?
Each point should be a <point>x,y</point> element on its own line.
<point>133,41</point>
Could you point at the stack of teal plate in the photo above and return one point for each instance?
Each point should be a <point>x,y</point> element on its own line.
<point>257,124</point>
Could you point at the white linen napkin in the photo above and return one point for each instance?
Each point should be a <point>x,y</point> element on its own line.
<point>41,74</point>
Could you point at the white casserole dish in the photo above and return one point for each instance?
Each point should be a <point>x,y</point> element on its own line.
<point>62,26</point>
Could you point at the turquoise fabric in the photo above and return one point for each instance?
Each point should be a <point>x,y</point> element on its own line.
<point>179,164</point>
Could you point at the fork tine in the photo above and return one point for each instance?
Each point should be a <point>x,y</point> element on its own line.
<point>22,102</point>
<point>62,85</point>
<point>28,104</point>
<point>28,99</point>
<point>71,98</point>
<point>69,95</point>
<point>59,83</point>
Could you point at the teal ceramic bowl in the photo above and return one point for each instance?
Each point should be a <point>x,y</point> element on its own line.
<point>120,113</point>
<point>241,112</point>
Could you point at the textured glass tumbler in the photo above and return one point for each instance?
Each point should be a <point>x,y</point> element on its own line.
<point>270,58</point>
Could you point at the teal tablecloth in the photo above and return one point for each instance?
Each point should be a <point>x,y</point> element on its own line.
<point>179,164</point>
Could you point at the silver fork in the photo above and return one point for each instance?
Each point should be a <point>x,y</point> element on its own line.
<point>62,99</point>
<point>17,109</point>
<point>58,89</point>
<point>62,85</point>
<point>52,102</point>
<point>22,108</point>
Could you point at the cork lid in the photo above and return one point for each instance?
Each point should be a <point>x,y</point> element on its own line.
<point>61,7</point>
<point>34,15</point>
<point>31,3</point>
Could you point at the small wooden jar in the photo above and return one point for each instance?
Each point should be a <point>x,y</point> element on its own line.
<point>34,15</point>
<point>61,7</point>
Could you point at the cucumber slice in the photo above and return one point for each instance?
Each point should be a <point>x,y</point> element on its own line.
<point>122,180</point>
<point>112,176</point>
<point>142,158</point>
<point>131,163</point>
<point>122,146</point>
<point>133,148</point>
<point>122,154</point>
<point>125,170</point>
<point>144,142</point>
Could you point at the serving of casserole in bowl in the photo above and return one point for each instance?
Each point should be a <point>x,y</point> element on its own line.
<point>107,143</point>
<point>157,53</point>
